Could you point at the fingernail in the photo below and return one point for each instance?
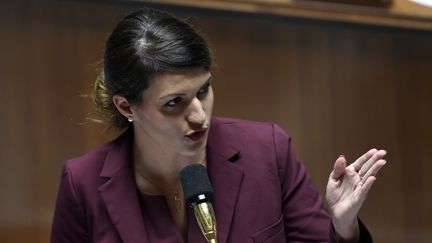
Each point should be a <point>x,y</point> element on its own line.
<point>341,156</point>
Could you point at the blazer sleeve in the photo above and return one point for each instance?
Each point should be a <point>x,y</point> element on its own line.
<point>69,223</point>
<point>305,217</point>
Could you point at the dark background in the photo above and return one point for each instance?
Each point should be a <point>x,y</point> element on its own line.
<point>336,88</point>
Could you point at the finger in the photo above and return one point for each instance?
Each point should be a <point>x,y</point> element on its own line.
<point>362,159</point>
<point>366,186</point>
<point>370,162</point>
<point>374,170</point>
<point>338,168</point>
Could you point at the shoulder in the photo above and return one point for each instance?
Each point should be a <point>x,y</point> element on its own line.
<point>257,140</point>
<point>236,121</point>
<point>90,160</point>
<point>233,128</point>
<point>91,164</point>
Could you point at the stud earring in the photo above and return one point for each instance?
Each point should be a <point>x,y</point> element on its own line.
<point>130,119</point>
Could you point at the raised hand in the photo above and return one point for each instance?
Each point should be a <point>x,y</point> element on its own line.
<point>347,189</point>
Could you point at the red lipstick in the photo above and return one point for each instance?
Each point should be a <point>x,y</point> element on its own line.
<point>197,135</point>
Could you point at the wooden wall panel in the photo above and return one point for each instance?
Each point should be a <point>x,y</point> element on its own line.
<point>335,88</point>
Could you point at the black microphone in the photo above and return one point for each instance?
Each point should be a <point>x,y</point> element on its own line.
<point>198,194</point>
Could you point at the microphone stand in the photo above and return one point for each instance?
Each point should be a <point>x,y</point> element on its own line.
<point>205,217</point>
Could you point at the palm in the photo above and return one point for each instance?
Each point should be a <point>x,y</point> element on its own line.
<point>348,186</point>
<point>344,194</point>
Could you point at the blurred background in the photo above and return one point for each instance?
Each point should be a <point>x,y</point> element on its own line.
<point>339,78</point>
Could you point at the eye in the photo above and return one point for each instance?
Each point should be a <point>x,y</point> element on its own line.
<point>203,91</point>
<point>174,102</point>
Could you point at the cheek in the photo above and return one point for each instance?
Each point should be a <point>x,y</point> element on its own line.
<point>166,124</point>
<point>154,121</point>
<point>208,103</point>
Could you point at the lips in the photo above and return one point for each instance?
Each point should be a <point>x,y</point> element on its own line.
<point>197,135</point>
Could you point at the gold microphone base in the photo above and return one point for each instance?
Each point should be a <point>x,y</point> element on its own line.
<point>206,220</point>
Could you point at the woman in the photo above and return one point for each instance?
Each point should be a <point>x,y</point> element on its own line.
<point>157,86</point>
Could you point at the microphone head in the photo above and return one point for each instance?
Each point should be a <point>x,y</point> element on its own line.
<point>196,184</point>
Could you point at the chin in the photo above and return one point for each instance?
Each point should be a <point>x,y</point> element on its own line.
<point>194,149</point>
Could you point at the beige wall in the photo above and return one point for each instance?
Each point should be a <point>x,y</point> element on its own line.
<point>336,88</point>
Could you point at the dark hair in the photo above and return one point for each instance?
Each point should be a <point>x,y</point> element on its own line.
<point>144,43</point>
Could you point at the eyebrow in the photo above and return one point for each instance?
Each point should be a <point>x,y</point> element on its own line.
<point>208,81</point>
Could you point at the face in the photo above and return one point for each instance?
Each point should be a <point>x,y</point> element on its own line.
<point>175,111</point>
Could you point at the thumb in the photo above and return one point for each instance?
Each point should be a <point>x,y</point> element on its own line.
<point>338,168</point>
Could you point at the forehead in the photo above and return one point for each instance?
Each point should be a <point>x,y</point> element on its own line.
<point>180,81</point>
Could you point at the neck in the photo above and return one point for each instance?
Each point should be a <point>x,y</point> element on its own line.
<point>161,165</point>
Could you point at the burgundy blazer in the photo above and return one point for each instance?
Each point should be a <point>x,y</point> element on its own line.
<point>262,193</point>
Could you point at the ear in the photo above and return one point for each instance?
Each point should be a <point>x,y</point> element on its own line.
<point>123,106</point>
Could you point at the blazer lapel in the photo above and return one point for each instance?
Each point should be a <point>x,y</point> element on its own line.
<point>121,197</point>
<point>120,194</point>
<point>226,178</point>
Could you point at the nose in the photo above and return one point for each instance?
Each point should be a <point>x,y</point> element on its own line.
<point>196,114</point>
